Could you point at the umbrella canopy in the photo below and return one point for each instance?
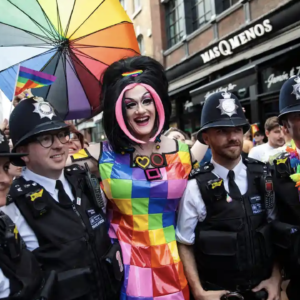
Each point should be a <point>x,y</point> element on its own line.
<point>74,40</point>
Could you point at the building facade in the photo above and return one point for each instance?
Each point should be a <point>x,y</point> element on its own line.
<point>139,13</point>
<point>246,47</point>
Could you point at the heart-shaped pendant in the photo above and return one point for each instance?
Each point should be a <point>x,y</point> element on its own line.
<point>142,161</point>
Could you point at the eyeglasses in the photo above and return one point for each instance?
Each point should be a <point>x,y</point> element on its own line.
<point>47,140</point>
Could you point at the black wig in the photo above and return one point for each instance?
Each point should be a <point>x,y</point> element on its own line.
<point>113,84</point>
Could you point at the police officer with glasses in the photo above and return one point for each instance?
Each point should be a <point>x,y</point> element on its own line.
<point>223,227</point>
<point>58,211</point>
<point>20,274</point>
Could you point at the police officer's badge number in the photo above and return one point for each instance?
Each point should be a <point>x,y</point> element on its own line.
<point>296,88</point>
<point>227,105</point>
<point>44,109</point>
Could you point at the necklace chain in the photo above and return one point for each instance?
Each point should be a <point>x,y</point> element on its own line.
<point>140,157</point>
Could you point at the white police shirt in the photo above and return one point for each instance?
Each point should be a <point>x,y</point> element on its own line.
<point>4,286</point>
<point>192,208</point>
<point>14,213</point>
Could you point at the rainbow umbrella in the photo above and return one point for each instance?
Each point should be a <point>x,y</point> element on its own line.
<point>74,40</point>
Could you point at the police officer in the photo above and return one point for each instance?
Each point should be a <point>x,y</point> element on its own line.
<point>223,220</point>
<point>285,178</point>
<point>57,211</point>
<point>20,274</point>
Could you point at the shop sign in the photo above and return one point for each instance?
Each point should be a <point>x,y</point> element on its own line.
<point>240,87</point>
<point>188,104</point>
<point>274,79</point>
<point>227,47</point>
<point>228,88</point>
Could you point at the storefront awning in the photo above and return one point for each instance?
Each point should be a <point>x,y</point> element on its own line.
<point>239,79</point>
<point>188,86</point>
<point>234,81</point>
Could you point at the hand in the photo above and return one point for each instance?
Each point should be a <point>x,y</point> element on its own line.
<point>5,128</point>
<point>272,286</point>
<point>210,295</point>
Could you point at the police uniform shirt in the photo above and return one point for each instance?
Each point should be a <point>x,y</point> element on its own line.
<point>4,286</point>
<point>192,208</point>
<point>14,213</point>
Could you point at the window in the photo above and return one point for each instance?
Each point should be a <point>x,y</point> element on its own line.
<point>123,3</point>
<point>200,13</point>
<point>174,22</point>
<point>140,40</point>
<point>222,5</point>
<point>173,111</point>
<point>136,5</point>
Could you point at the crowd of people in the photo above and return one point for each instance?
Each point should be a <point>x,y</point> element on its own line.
<point>150,213</point>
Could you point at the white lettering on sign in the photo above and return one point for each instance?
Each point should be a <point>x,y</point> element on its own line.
<point>283,77</point>
<point>188,104</point>
<point>228,88</point>
<point>226,47</point>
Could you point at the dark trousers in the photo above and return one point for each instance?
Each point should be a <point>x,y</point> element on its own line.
<point>247,296</point>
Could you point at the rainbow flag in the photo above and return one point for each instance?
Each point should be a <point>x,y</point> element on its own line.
<point>254,128</point>
<point>31,79</point>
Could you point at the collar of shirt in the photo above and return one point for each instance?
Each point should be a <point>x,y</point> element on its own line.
<point>48,183</point>
<point>240,171</point>
<point>223,172</point>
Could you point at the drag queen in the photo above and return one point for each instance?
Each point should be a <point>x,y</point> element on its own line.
<point>144,175</point>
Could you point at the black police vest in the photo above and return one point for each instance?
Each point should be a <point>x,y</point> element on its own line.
<point>287,196</point>
<point>287,229</point>
<point>17,263</point>
<point>73,239</point>
<point>232,246</point>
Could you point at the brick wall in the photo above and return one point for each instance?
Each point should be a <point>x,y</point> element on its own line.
<point>175,57</point>
<point>261,7</point>
<point>231,23</point>
<point>201,41</point>
<point>158,30</point>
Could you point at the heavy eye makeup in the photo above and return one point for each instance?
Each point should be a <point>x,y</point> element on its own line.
<point>130,104</point>
<point>146,101</point>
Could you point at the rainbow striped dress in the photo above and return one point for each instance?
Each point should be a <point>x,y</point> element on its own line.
<point>142,218</point>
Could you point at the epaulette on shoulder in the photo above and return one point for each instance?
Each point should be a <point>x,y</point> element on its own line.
<point>249,160</point>
<point>206,168</point>
<point>21,187</point>
<point>256,166</point>
<point>281,158</point>
<point>83,154</point>
<point>75,169</point>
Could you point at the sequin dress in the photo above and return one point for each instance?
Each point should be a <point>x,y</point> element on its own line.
<point>142,218</point>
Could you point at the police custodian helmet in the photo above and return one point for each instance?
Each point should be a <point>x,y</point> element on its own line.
<point>222,109</point>
<point>289,98</point>
<point>31,117</point>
